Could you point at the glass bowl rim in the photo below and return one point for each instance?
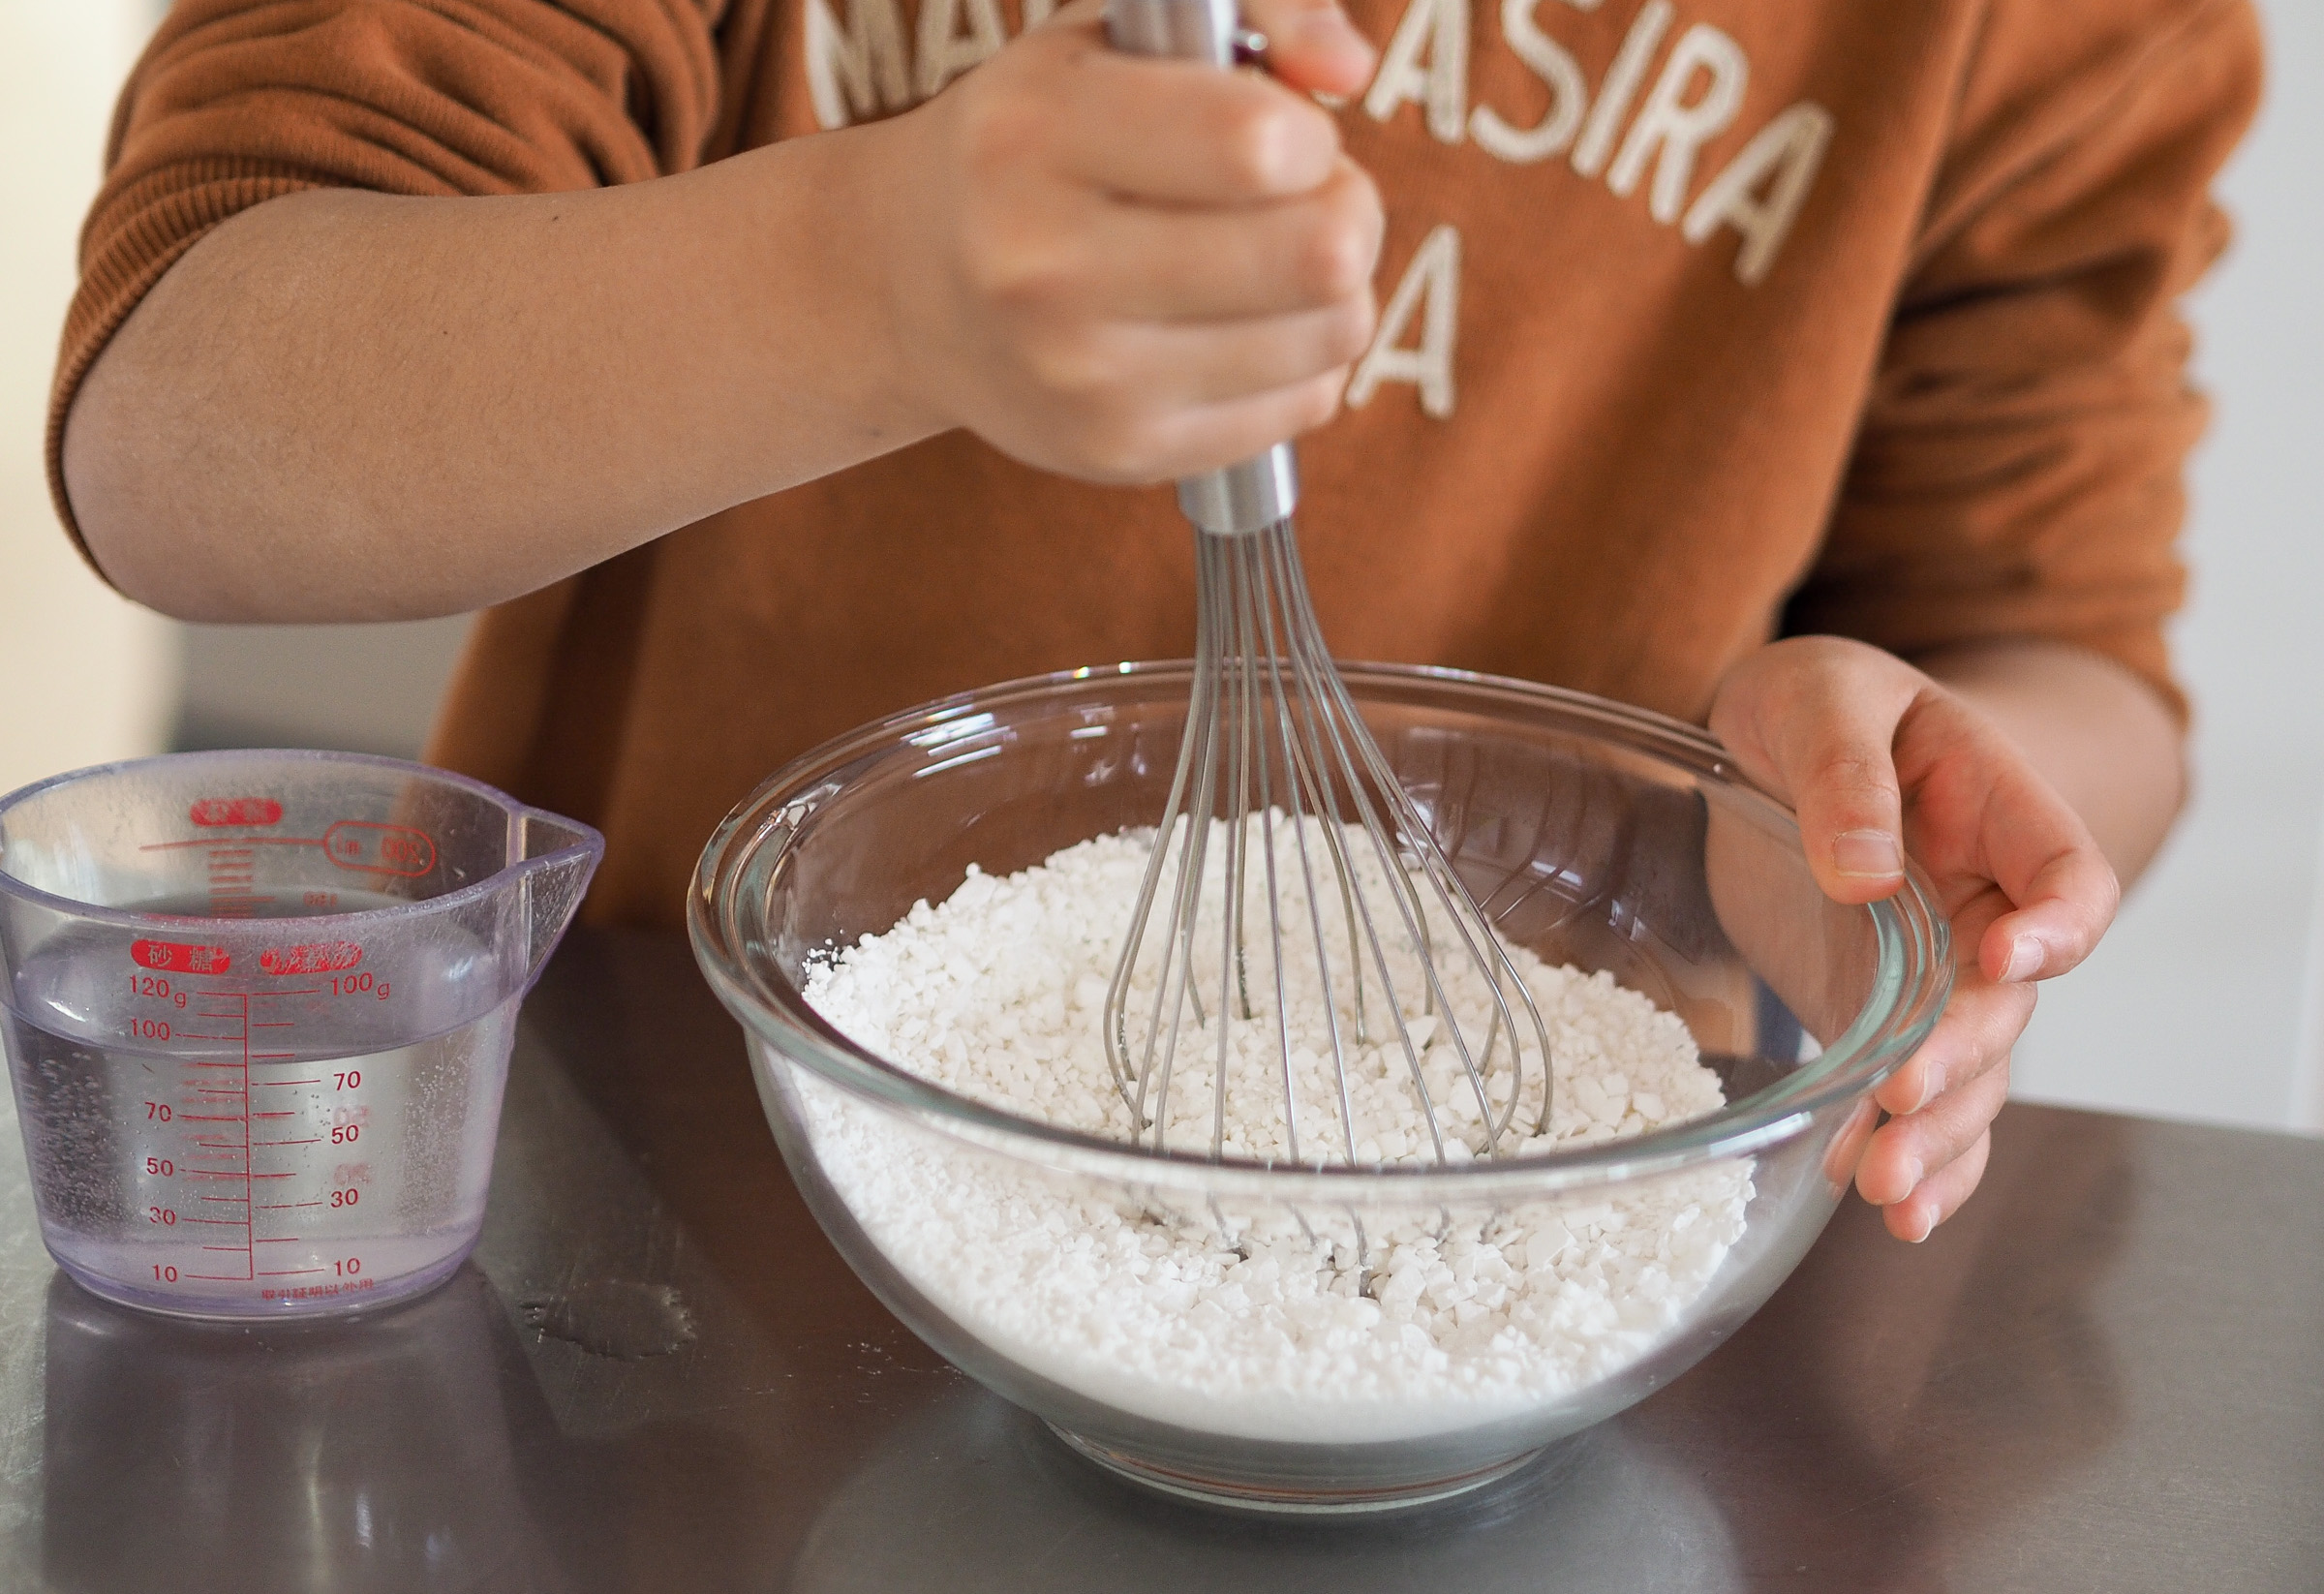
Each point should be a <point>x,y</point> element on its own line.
<point>1914,974</point>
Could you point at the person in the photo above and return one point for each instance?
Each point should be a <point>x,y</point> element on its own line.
<point>1804,369</point>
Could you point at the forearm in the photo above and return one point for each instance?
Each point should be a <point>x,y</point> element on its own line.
<point>345,405</point>
<point>2098,734</point>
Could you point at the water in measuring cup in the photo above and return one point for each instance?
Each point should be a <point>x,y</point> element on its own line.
<point>221,1161</point>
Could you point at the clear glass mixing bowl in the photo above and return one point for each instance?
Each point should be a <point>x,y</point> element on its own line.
<point>1596,835</point>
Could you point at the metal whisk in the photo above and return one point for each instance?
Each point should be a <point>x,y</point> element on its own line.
<point>1276,751</point>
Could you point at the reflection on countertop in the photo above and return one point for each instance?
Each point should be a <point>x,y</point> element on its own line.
<point>185,1456</point>
<point>656,1375</point>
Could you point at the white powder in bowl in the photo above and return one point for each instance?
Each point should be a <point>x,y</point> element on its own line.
<point>1262,1322</point>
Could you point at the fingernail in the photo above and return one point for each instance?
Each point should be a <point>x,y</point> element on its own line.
<point>1924,1227</point>
<point>1912,1177</point>
<point>1932,1085</point>
<point>1867,854</point>
<point>1328,28</point>
<point>2025,957</point>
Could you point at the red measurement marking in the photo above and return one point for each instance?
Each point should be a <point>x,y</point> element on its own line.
<point>287,1239</point>
<point>380,849</point>
<point>279,1084</point>
<point>311,957</point>
<point>274,1115</point>
<point>285,1206</point>
<point>211,1117</point>
<point>222,1247</point>
<point>240,843</point>
<point>317,1140</point>
<point>180,957</point>
<point>289,1273</point>
<point>275,1023</point>
<point>217,1173</point>
<point>227,1278</point>
<point>235,811</point>
<point>270,1175</point>
<point>218,1198</point>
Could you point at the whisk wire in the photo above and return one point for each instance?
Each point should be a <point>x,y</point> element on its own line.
<point>1301,791</point>
<point>1274,741</point>
<point>1484,946</point>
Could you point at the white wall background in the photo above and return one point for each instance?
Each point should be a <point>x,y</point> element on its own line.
<point>83,676</point>
<point>366,689</point>
<point>2208,999</point>
<point>2206,1002</point>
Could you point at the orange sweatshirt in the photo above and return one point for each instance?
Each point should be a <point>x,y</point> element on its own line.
<point>1704,322</point>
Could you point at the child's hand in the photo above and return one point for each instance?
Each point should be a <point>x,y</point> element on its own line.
<point>1869,750</point>
<point>1129,270</point>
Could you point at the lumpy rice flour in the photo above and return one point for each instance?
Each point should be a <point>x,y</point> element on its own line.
<point>1266,1322</point>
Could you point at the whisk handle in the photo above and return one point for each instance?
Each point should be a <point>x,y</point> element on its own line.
<point>1191,30</point>
<point>1257,493</point>
<point>1245,497</point>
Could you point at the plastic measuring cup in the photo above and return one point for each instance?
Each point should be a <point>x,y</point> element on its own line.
<point>258,1009</point>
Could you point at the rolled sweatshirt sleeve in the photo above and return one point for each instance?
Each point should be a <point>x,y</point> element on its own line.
<point>2019,469</point>
<point>238,101</point>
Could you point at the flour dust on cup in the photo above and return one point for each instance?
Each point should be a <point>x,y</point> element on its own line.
<point>1648,888</point>
<point>257,1009</point>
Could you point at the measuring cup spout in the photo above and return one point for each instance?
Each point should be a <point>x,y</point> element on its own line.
<point>559,858</point>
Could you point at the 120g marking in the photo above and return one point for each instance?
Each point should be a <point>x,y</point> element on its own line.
<point>156,989</point>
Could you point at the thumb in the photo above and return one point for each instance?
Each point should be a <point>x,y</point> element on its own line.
<point>1844,788</point>
<point>1818,727</point>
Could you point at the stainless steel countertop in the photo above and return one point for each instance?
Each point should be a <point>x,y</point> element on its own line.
<point>2108,1373</point>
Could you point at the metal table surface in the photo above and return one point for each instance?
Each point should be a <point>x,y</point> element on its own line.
<point>2107,1373</point>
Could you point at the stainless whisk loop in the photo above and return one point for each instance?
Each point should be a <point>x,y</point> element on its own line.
<point>1274,740</point>
<point>1275,752</point>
